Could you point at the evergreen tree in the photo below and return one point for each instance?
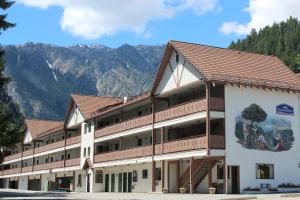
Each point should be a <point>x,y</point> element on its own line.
<point>281,40</point>
<point>11,120</point>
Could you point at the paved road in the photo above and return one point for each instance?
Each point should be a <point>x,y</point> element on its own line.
<point>20,194</point>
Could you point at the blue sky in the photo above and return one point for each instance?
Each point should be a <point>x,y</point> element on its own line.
<point>67,22</point>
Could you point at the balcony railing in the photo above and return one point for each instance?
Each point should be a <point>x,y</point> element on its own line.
<point>130,124</point>
<point>12,157</point>
<point>47,166</point>
<point>28,152</point>
<point>181,145</point>
<point>12,171</point>
<point>73,140</point>
<point>50,147</point>
<point>217,104</point>
<point>125,154</point>
<point>181,110</point>
<point>72,162</point>
<point>217,141</point>
<point>27,169</point>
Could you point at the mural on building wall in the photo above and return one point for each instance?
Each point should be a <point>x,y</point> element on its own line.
<point>255,130</point>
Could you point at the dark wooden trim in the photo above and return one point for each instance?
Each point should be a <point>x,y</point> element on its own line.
<point>208,117</point>
<point>191,176</point>
<point>153,176</point>
<point>162,175</point>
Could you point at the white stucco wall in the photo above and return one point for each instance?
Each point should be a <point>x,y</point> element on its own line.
<point>286,163</point>
<point>87,140</point>
<point>180,75</point>
<point>23,183</point>
<point>75,117</point>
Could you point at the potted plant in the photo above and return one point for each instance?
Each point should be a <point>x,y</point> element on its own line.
<point>165,190</point>
<point>212,189</point>
<point>182,190</point>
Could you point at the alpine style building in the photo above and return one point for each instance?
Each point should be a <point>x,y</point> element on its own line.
<point>214,117</point>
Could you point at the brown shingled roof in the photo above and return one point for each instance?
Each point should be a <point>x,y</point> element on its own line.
<point>130,101</point>
<point>38,128</point>
<point>231,66</point>
<point>90,104</point>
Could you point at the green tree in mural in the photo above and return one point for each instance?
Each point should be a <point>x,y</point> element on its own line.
<point>255,114</point>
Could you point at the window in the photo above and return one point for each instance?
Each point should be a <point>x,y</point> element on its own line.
<point>79,179</point>
<point>69,156</point>
<point>37,162</point>
<point>62,157</point>
<point>264,171</point>
<point>144,174</point>
<point>51,159</point>
<point>84,152</point>
<point>220,171</point>
<point>46,160</point>
<point>116,146</point>
<point>89,127</point>
<point>99,176</point>
<point>89,151</point>
<point>134,176</point>
<point>140,113</point>
<point>85,128</point>
<point>158,174</point>
<point>140,142</point>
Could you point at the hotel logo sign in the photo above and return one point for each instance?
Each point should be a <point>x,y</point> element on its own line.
<point>284,109</point>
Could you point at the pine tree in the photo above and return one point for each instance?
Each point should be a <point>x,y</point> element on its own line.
<point>281,40</point>
<point>11,120</point>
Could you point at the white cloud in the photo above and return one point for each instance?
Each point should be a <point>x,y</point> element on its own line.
<point>92,19</point>
<point>263,13</point>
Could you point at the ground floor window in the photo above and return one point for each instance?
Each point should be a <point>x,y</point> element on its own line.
<point>264,171</point>
<point>99,176</point>
<point>144,174</point>
<point>158,174</point>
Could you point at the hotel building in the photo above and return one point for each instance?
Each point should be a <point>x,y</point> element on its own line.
<point>214,117</point>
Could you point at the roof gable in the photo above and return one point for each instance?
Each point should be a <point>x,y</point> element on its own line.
<point>38,128</point>
<point>178,72</point>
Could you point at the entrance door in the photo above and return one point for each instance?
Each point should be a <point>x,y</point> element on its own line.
<point>112,189</point>
<point>34,184</point>
<point>172,177</point>
<point>124,182</point>
<point>13,184</point>
<point>235,179</point>
<point>120,182</point>
<point>88,183</point>
<point>129,181</point>
<point>106,183</point>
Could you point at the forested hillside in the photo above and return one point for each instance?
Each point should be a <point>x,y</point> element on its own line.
<point>281,39</point>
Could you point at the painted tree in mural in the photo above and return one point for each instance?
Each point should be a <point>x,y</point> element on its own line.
<point>255,114</point>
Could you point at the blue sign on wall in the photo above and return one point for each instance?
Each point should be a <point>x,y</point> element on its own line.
<point>284,109</point>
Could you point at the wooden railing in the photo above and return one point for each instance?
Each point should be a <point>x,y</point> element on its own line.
<point>181,110</point>
<point>217,141</point>
<point>50,147</point>
<point>130,124</point>
<point>217,104</point>
<point>125,154</point>
<point>26,169</point>
<point>46,166</point>
<point>28,152</point>
<point>72,162</point>
<point>12,157</point>
<point>182,145</point>
<point>12,171</point>
<point>73,140</point>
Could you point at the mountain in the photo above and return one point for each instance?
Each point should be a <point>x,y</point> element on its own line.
<point>44,75</point>
<point>281,39</point>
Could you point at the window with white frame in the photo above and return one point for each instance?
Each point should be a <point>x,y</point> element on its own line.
<point>264,171</point>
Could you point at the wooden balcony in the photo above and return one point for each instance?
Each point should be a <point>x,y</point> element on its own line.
<point>27,169</point>
<point>47,166</point>
<point>72,162</point>
<point>217,104</point>
<point>125,154</point>
<point>130,124</point>
<point>12,157</point>
<point>217,141</point>
<point>12,171</point>
<point>28,152</point>
<point>181,110</point>
<point>73,140</point>
<point>50,147</point>
<point>181,145</point>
